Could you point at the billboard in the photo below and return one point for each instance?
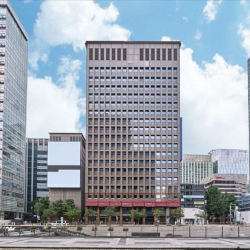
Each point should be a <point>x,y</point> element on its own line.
<point>64,159</point>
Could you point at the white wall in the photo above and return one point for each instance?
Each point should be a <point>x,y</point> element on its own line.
<point>246,216</point>
<point>189,213</point>
<point>64,153</point>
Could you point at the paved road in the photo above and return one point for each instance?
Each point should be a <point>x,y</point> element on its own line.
<point>116,243</point>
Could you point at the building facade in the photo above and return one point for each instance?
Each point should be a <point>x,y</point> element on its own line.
<point>194,168</point>
<point>36,171</point>
<point>66,167</point>
<point>230,161</point>
<point>227,183</point>
<point>133,127</point>
<point>13,95</point>
<point>193,196</point>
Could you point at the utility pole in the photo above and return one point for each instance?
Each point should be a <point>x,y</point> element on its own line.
<point>231,204</point>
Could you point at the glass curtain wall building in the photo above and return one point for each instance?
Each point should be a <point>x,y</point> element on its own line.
<point>133,127</point>
<point>195,167</point>
<point>13,95</point>
<point>36,171</point>
<point>230,161</point>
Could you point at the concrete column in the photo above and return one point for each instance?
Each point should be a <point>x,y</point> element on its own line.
<point>121,216</point>
<point>144,221</point>
<point>132,219</point>
<point>86,218</point>
<point>98,215</point>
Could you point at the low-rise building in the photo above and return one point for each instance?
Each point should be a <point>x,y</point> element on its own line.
<point>192,196</point>
<point>66,164</point>
<point>227,183</point>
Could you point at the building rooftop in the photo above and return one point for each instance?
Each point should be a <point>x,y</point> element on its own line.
<point>133,42</point>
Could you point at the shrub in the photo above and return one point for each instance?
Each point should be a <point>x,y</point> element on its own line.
<point>94,228</point>
<point>110,229</point>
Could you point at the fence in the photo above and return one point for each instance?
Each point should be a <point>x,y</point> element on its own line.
<point>200,231</point>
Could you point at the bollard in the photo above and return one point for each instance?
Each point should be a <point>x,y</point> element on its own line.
<point>222,231</point>
<point>189,232</point>
<point>205,232</point>
<point>238,232</point>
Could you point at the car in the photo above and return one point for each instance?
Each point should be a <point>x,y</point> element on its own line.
<point>58,223</point>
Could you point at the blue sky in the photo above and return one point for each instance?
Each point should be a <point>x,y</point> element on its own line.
<point>216,44</point>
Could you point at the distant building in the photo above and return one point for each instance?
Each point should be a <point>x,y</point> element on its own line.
<point>36,170</point>
<point>66,166</point>
<point>227,183</point>
<point>194,168</point>
<point>244,203</point>
<point>230,161</point>
<point>192,196</point>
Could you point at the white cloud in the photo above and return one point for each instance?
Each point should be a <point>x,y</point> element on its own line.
<point>198,35</point>
<point>72,23</point>
<point>243,2</point>
<point>166,38</point>
<point>210,11</point>
<point>28,1</point>
<point>214,104</point>
<point>55,106</point>
<point>244,33</point>
<point>185,18</point>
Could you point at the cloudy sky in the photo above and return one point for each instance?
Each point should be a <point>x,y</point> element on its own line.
<point>215,36</point>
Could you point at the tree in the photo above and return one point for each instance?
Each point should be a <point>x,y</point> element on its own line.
<point>73,213</point>
<point>91,214</point>
<point>63,206</point>
<point>158,213</point>
<point>177,213</point>
<point>229,199</point>
<point>137,214</point>
<point>48,214</point>
<point>41,204</point>
<point>110,212</point>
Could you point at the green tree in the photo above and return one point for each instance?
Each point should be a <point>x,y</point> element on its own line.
<point>110,212</point>
<point>137,214</point>
<point>202,216</point>
<point>158,213</point>
<point>177,213</point>
<point>41,204</point>
<point>63,206</point>
<point>73,214</point>
<point>91,214</point>
<point>229,199</point>
<point>48,214</point>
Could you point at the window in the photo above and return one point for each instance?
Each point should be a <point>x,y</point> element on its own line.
<point>169,54</point>
<point>164,54</point>
<point>90,54</point>
<point>102,54</point>
<point>153,54</point>
<point>113,54</point>
<point>124,54</point>
<point>141,55</point>
<point>147,55</point>
<point>119,54</point>
<point>175,54</point>
<point>158,55</point>
<point>96,54</point>
<point>107,54</point>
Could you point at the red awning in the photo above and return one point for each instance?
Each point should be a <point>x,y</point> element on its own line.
<point>149,204</point>
<point>115,203</point>
<point>138,204</point>
<point>127,204</point>
<point>103,203</point>
<point>174,204</point>
<point>91,203</point>
<point>161,204</point>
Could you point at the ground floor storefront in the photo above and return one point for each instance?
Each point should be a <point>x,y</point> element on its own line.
<point>124,210</point>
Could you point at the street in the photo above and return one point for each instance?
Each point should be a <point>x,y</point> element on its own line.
<point>128,243</point>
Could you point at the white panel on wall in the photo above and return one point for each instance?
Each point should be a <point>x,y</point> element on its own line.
<point>64,179</point>
<point>64,153</point>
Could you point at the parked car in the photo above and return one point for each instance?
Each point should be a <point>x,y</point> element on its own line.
<point>58,223</point>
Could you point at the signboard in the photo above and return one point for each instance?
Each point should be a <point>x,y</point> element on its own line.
<point>193,196</point>
<point>199,202</point>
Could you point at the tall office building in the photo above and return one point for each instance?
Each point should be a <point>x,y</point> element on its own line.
<point>194,168</point>
<point>133,127</point>
<point>230,161</point>
<point>66,167</point>
<point>248,67</point>
<point>36,171</point>
<point>13,95</point>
